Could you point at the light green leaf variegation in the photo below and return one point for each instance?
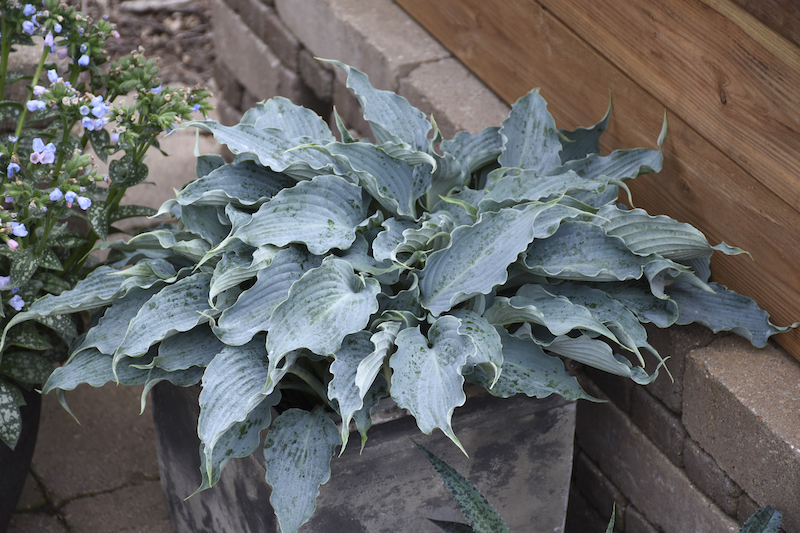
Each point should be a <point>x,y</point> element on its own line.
<point>322,214</point>
<point>426,376</point>
<point>10,418</point>
<point>298,450</point>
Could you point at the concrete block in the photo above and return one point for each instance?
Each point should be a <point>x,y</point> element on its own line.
<point>741,405</point>
<point>636,522</point>
<point>581,516</point>
<point>38,522</point>
<point>228,115</point>
<point>262,19</point>
<point>709,477</point>
<point>70,458</point>
<point>675,342</point>
<point>652,483</point>
<point>251,61</point>
<point>230,90</point>
<point>659,424</point>
<point>376,37</point>
<point>136,508</point>
<point>318,76</point>
<point>747,507</point>
<point>616,388</point>
<point>457,99</point>
<point>598,490</point>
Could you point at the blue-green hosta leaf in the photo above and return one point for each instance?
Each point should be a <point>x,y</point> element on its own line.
<point>272,148</point>
<point>252,310</point>
<point>296,121</point>
<point>386,241</point>
<point>298,450</point>
<point>360,259</point>
<point>363,417</point>
<point>177,307</point>
<point>323,307</point>
<point>196,347</point>
<point>431,233</point>
<point>180,378</point>
<point>322,214</point>
<point>620,320</point>
<point>449,174</point>
<point>724,310</point>
<point>621,164</point>
<point>240,440</point>
<point>26,366</point>
<point>95,369</point>
<point>582,142</point>
<point>342,388</point>
<point>582,251</point>
<point>394,183</point>
<point>109,332</point>
<point>488,346</point>
<point>233,385</point>
<point>475,151</point>
<point>244,184</point>
<point>370,366</point>
<point>526,185</point>
<point>528,370</point>
<point>181,243</point>
<point>389,115</point>
<point>207,163</point>
<point>204,221</point>
<point>531,137</point>
<point>645,234</point>
<point>478,257</point>
<point>765,520</point>
<point>599,355</point>
<point>239,263</point>
<point>535,305</point>
<point>639,299</point>
<point>10,418</point>
<point>478,511</point>
<point>426,374</point>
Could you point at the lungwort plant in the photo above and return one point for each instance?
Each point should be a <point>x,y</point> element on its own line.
<point>312,277</point>
<point>55,205</point>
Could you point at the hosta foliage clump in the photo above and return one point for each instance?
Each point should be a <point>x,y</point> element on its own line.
<point>313,276</point>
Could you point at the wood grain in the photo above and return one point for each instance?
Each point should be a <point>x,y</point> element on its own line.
<point>519,45</point>
<point>782,16</point>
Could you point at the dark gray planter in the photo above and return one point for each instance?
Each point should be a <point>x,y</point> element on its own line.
<point>15,464</point>
<point>520,458</point>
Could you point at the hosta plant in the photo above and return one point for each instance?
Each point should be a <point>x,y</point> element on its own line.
<point>311,277</point>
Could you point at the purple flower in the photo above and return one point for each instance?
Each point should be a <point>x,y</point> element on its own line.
<point>28,27</point>
<point>156,90</point>
<point>84,48</point>
<point>35,105</point>
<point>36,158</point>
<point>19,229</point>
<point>83,60</point>
<point>196,108</point>
<point>87,123</point>
<point>48,41</point>
<point>12,139</point>
<point>48,158</point>
<point>52,75</point>
<point>57,27</point>
<point>4,281</point>
<point>12,244</point>
<point>50,148</point>
<point>16,302</point>
<point>9,199</point>
<point>70,196</point>
<point>84,110</point>
<point>99,123</point>
<point>38,90</point>
<point>84,202</point>
<point>55,194</point>
<point>12,169</point>
<point>28,10</point>
<point>38,144</point>
<point>114,138</point>
<point>100,110</point>
<point>62,53</point>
<point>115,34</point>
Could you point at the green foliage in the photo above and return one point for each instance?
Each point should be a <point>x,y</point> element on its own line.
<point>317,276</point>
<point>52,184</point>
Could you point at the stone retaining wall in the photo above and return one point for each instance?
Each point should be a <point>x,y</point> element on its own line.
<point>699,454</point>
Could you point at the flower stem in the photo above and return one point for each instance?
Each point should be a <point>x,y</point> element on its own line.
<point>34,81</point>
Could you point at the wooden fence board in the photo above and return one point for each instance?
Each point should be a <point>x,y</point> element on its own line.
<point>515,46</point>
